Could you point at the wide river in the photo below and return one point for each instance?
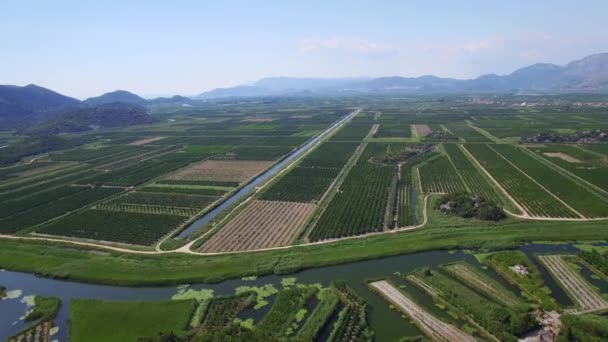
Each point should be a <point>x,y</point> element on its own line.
<point>387,324</point>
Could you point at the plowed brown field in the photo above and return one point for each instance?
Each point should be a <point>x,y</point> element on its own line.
<point>263,224</point>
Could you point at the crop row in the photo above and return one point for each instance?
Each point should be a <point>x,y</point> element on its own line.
<point>15,206</point>
<point>462,130</point>
<point>390,130</point>
<point>472,177</point>
<point>165,199</point>
<point>406,206</point>
<point>584,164</point>
<point>359,206</point>
<point>352,132</point>
<point>183,190</point>
<point>561,186</point>
<point>528,194</point>
<point>302,184</point>
<point>148,209</point>
<point>310,179</point>
<point>503,323</point>
<point>352,322</point>
<point>438,176</point>
<point>255,153</point>
<point>279,319</point>
<point>125,227</point>
<point>55,208</point>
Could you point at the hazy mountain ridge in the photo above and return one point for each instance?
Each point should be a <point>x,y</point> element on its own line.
<point>587,74</point>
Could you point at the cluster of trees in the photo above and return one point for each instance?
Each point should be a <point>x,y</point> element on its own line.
<point>589,136</point>
<point>596,259</point>
<point>468,206</point>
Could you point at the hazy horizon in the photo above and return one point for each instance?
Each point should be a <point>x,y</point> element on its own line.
<point>185,47</point>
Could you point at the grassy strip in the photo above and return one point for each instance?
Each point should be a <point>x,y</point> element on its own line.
<point>326,307</point>
<point>2,292</point>
<point>45,308</point>
<point>54,260</point>
<point>96,320</point>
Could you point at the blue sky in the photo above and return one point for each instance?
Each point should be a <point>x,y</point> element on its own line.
<point>84,48</point>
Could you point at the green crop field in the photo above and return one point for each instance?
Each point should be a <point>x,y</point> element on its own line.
<point>526,192</point>
<point>439,176</point>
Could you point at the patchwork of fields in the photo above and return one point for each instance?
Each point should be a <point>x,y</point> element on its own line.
<point>141,185</point>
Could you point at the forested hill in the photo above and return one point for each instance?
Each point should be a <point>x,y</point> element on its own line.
<point>82,119</point>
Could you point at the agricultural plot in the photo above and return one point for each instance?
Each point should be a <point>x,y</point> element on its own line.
<point>279,320</point>
<point>262,224</point>
<point>587,298</point>
<point>352,322</point>
<point>578,161</point>
<point>597,148</point>
<point>187,190</point>
<point>309,180</point>
<point>406,202</point>
<point>503,323</point>
<point>123,227</point>
<point>359,206</point>
<point>472,177</point>
<point>222,311</point>
<point>434,328</point>
<point>578,198</point>
<point>439,176</point>
<point>466,132</point>
<point>221,170</point>
<point>101,321</point>
<point>352,132</point>
<point>482,283</point>
<point>254,153</point>
<point>168,200</point>
<point>530,196</point>
<point>422,130</point>
<point>146,141</point>
<point>517,269</point>
<point>40,214</point>
<point>390,131</point>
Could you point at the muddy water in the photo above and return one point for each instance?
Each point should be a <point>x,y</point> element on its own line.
<point>387,324</point>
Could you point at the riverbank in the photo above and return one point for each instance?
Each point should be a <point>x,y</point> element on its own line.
<point>57,260</point>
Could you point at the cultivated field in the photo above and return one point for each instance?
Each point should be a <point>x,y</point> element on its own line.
<point>262,224</point>
<point>146,141</point>
<point>439,176</point>
<point>529,194</point>
<point>435,329</point>
<point>221,170</point>
<point>587,298</point>
<point>422,130</point>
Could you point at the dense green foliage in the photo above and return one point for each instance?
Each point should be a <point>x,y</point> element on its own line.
<point>328,301</point>
<point>588,328</point>
<point>504,323</point>
<point>596,260</point>
<point>280,317</point>
<point>36,145</point>
<point>352,322</point>
<point>388,130</point>
<point>359,206</point>
<point>126,227</point>
<point>469,206</point>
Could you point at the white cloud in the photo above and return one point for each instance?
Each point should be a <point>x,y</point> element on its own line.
<point>351,45</point>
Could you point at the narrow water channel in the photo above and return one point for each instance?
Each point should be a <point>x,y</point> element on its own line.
<point>259,179</point>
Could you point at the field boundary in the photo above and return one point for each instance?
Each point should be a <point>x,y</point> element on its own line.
<point>498,185</point>
<point>537,183</point>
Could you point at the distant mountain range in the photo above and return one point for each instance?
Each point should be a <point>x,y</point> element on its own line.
<point>36,109</point>
<point>589,74</point>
